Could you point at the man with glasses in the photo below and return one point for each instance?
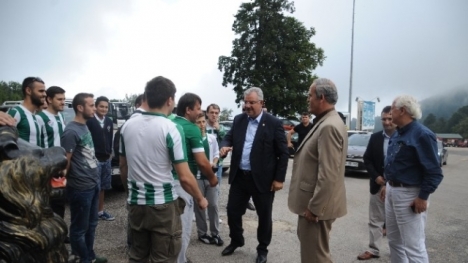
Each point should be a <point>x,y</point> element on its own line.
<point>301,129</point>
<point>34,94</point>
<point>258,168</point>
<point>374,161</point>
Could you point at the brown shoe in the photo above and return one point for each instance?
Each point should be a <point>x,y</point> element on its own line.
<point>366,255</point>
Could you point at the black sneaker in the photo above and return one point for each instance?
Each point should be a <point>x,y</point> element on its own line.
<point>217,240</point>
<point>206,239</point>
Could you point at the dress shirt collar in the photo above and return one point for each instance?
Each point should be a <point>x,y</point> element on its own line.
<point>259,117</point>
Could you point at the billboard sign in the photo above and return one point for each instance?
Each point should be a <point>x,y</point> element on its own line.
<point>368,115</point>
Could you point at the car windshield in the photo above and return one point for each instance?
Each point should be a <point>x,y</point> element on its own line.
<point>68,115</point>
<point>358,140</point>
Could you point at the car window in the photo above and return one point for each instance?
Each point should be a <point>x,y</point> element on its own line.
<point>358,140</point>
<point>68,115</point>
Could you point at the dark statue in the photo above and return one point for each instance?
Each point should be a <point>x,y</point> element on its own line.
<point>29,231</point>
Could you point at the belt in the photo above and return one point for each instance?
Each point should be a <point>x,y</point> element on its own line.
<point>245,172</point>
<point>398,184</point>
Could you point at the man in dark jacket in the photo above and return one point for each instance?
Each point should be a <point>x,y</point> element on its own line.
<point>102,130</point>
<point>374,160</point>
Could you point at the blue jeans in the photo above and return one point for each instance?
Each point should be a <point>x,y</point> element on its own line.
<point>105,173</point>
<point>84,219</point>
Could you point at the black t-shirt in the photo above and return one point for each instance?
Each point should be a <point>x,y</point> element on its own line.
<point>302,131</point>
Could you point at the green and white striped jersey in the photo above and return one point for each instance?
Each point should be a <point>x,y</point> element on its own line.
<point>27,125</point>
<point>52,127</point>
<point>193,141</point>
<point>151,143</point>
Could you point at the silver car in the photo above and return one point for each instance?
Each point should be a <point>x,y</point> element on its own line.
<point>357,144</point>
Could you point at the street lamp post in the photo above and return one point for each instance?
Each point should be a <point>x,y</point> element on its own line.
<point>351,68</point>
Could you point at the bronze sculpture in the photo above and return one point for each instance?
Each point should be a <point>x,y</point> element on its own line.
<point>29,230</point>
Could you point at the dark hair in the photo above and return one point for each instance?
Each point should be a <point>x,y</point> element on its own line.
<point>305,114</point>
<point>188,100</point>
<point>212,105</point>
<point>79,99</point>
<point>138,100</point>
<point>27,83</point>
<point>387,109</point>
<point>201,115</point>
<point>54,90</point>
<point>158,91</point>
<point>101,98</point>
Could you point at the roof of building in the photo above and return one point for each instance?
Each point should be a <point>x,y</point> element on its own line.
<point>449,136</point>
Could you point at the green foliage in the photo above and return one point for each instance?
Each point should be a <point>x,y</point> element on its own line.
<point>225,114</point>
<point>430,120</point>
<point>455,124</point>
<point>462,128</point>
<point>273,51</point>
<point>130,99</point>
<point>10,91</point>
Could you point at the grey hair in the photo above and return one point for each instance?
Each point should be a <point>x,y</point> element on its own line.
<point>410,104</point>
<point>326,88</point>
<point>256,90</point>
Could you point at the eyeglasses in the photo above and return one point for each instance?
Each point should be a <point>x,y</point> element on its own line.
<point>251,102</point>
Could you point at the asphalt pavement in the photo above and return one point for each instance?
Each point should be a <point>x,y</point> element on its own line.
<point>446,232</point>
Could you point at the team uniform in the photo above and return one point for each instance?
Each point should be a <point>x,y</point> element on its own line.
<point>151,143</point>
<point>52,127</point>
<point>194,144</point>
<point>211,194</point>
<point>27,125</point>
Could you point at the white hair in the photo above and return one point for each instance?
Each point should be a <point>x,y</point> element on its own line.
<point>410,104</point>
<point>326,88</point>
<point>256,90</point>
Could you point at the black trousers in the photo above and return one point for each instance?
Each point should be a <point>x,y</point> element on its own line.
<point>242,188</point>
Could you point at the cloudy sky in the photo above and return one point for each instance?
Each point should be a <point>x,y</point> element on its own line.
<point>113,47</point>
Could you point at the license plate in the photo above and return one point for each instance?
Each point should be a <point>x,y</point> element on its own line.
<point>352,164</point>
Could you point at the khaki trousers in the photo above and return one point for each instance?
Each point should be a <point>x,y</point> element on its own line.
<point>314,239</point>
<point>156,232</point>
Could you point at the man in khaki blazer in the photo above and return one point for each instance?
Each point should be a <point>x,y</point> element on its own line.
<point>317,192</point>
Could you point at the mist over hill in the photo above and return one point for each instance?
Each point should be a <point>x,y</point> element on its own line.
<point>446,103</point>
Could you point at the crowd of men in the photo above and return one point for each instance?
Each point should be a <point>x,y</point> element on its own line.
<point>171,165</point>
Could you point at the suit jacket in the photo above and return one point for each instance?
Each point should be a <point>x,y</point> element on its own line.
<point>374,159</point>
<point>317,181</point>
<point>269,155</point>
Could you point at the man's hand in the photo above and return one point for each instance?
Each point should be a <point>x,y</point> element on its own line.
<point>380,180</point>
<point>6,119</point>
<point>276,186</point>
<point>202,203</point>
<point>290,145</point>
<point>310,217</point>
<point>420,205</point>
<point>382,193</point>
<point>216,125</point>
<point>213,181</point>
<point>224,151</point>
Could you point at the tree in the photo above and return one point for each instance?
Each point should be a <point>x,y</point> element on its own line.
<point>273,51</point>
<point>225,114</point>
<point>10,91</point>
<point>430,120</point>
<point>130,99</point>
<point>462,128</point>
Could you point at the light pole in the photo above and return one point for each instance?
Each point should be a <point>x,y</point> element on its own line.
<point>351,69</point>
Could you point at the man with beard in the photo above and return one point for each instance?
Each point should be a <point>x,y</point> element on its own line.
<point>51,119</point>
<point>82,180</point>
<point>374,157</point>
<point>188,110</point>
<point>34,94</point>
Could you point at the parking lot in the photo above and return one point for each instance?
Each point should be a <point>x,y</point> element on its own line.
<point>447,226</point>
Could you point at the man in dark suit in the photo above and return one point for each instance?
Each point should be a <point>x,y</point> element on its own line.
<point>258,167</point>
<point>374,161</point>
